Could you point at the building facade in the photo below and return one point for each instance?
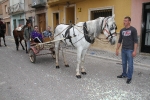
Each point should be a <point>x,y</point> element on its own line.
<point>1,12</point>
<point>140,14</point>
<point>6,16</point>
<point>16,11</point>
<point>74,11</point>
<point>39,15</point>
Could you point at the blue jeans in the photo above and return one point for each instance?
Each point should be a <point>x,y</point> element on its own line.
<point>127,59</point>
<point>28,44</point>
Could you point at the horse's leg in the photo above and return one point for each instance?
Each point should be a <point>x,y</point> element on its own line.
<point>17,43</point>
<point>82,62</point>
<point>79,52</point>
<point>57,53</point>
<point>4,41</point>
<point>64,57</point>
<point>0,42</point>
<point>21,44</point>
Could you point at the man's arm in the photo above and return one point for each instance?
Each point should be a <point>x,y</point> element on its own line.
<point>135,39</point>
<point>119,43</point>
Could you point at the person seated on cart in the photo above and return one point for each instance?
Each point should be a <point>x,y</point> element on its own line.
<point>47,35</point>
<point>36,35</point>
<point>47,32</point>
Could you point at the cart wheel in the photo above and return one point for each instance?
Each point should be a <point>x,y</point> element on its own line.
<point>53,54</point>
<point>32,56</point>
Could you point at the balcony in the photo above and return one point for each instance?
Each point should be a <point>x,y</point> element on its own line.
<point>62,2</point>
<point>38,3</point>
<point>16,9</point>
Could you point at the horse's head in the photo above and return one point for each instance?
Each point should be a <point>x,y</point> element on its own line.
<point>109,29</point>
<point>28,22</point>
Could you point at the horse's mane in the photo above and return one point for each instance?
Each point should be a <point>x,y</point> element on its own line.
<point>95,26</point>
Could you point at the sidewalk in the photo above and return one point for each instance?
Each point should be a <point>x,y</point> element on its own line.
<point>141,60</point>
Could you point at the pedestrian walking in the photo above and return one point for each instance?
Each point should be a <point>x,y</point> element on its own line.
<point>27,34</point>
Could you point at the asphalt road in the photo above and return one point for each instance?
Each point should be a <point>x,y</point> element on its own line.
<point>22,80</point>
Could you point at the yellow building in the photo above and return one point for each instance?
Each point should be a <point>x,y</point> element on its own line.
<point>74,11</point>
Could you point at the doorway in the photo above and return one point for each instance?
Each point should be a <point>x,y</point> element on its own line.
<point>42,22</point>
<point>70,15</point>
<point>8,29</point>
<point>55,19</point>
<point>14,23</point>
<point>145,47</point>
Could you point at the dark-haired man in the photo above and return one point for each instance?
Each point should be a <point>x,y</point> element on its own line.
<point>128,39</point>
<point>27,34</point>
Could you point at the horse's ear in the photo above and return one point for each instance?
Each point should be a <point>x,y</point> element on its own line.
<point>113,16</point>
<point>26,19</point>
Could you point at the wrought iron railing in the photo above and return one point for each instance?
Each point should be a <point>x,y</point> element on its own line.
<point>16,8</point>
<point>38,3</point>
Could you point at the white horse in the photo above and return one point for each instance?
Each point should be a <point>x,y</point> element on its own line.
<point>81,36</point>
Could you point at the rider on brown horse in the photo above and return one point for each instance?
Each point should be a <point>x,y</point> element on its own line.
<point>2,31</point>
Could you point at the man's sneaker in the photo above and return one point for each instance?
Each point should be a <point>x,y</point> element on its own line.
<point>128,81</point>
<point>121,76</point>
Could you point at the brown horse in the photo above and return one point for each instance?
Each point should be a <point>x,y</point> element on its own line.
<point>18,37</point>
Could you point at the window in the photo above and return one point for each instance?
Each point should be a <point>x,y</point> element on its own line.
<point>6,9</point>
<point>100,12</point>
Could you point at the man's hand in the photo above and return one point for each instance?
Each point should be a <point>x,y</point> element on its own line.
<point>134,54</point>
<point>117,52</point>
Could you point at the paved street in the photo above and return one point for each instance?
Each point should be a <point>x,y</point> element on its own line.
<point>22,80</point>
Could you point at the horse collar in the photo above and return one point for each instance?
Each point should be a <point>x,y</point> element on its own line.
<point>86,34</point>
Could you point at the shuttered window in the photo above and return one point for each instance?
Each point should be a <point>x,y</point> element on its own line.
<point>101,13</point>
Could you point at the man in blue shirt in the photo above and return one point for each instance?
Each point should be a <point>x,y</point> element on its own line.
<point>47,32</point>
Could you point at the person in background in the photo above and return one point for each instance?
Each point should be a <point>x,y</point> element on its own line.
<point>27,34</point>
<point>128,39</point>
<point>47,32</point>
<point>36,35</point>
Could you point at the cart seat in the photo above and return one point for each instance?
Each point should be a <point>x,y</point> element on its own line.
<point>47,39</point>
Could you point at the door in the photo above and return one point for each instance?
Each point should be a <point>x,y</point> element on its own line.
<point>21,22</point>
<point>70,15</point>
<point>8,28</point>
<point>14,23</point>
<point>42,22</point>
<point>145,47</point>
<point>55,19</point>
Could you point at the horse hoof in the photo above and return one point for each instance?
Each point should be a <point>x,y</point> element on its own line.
<point>57,67</point>
<point>67,65</point>
<point>26,52</point>
<point>5,45</point>
<point>78,76</point>
<point>83,73</point>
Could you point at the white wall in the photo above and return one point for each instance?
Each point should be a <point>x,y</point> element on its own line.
<point>12,2</point>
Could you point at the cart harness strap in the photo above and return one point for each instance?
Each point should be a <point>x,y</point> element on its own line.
<point>67,34</point>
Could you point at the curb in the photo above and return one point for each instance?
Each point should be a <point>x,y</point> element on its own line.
<point>102,57</point>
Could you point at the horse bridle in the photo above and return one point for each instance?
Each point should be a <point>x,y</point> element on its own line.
<point>106,24</point>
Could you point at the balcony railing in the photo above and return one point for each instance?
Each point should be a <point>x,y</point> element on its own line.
<point>38,3</point>
<point>16,8</point>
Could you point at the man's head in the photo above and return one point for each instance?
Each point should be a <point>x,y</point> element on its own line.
<point>127,21</point>
<point>48,28</point>
<point>36,28</point>
<point>29,24</point>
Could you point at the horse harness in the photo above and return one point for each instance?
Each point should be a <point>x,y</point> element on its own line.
<point>106,24</point>
<point>67,34</point>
